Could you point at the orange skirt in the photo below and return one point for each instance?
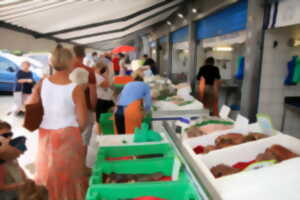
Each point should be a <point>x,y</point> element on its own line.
<point>61,164</point>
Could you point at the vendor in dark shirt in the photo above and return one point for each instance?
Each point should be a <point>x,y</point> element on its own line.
<point>209,84</point>
<point>151,63</point>
<point>24,85</point>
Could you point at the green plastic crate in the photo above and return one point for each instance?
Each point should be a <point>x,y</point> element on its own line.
<point>168,191</point>
<point>140,166</point>
<point>107,124</point>
<point>135,150</point>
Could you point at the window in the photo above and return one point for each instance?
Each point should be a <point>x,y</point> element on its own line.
<point>7,65</point>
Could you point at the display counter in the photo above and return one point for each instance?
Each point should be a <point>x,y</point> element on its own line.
<point>266,182</point>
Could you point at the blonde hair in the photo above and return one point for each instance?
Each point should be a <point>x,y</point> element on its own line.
<point>60,58</point>
<point>101,66</point>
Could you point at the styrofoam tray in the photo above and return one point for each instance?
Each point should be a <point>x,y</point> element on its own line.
<point>284,176</point>
<point>209,139</point>
<point>120,140</point>
<point>165,105</point>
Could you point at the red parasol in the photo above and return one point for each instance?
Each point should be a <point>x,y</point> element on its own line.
<point>121,49</point>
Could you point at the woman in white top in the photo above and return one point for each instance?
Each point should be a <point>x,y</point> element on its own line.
<point>104,91</point>
<point>61,160</point>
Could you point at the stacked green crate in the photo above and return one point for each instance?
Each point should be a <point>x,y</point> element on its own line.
<point>140,166</point>
<point>113,152</point>
<point>168,191</point>
<point>164,164</point>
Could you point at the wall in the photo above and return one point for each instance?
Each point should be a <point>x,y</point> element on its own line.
<point>13,40</point>
<point>274,70</point>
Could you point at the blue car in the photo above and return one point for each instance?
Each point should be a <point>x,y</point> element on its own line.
<point>9,66</point>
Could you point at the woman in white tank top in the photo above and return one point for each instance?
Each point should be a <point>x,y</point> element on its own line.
<point>61,157</point>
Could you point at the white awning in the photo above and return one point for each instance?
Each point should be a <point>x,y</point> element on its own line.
<point>85,21</point>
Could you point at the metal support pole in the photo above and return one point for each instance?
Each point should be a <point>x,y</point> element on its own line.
<point>254,44</point>
<point>157,58</point>
<point>192,62</point>
<point>170,48</point>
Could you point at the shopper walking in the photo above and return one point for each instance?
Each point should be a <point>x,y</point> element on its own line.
<point>122,63</point>
<point>23,89</point>
<point>116,65</point>
<point>209,84</point>
<point>104,91</point>
<point>107,60</point>
<point>151,63</point>
<point>133,104</point>
<point>90,92</point>
<point>60,164</point>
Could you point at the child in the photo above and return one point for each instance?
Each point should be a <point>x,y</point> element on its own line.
<point>13,181</point>
<point>12,177</point>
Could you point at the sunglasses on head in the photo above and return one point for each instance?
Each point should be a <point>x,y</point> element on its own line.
<point>7,135</point>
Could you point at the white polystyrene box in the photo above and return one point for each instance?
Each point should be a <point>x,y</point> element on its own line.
<point>165,105</point>
<point>118,140</point>
<point>246,185</point>
<point>209,139</point>
<point>185,137</point>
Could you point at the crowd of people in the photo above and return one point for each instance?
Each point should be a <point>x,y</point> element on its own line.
<point>73,98</point>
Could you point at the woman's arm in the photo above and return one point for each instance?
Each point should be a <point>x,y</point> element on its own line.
<point>81,107</point>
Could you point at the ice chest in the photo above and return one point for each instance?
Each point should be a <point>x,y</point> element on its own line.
<point>137,150</point>
<point>168,190</point>
<point>277,182</point>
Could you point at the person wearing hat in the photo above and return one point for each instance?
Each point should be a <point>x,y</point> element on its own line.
<point>134,101</point>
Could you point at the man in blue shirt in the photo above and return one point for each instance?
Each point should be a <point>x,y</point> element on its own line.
<point>134,100</point>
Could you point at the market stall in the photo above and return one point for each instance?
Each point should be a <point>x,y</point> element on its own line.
<point>253,158</point>
<point>173,101</point>
<point>222,36</point>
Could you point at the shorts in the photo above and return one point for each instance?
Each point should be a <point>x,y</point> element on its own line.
<point>103,106</point>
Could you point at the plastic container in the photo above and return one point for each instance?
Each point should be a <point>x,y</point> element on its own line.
<point>140,166</point>
<point>123,151</point>
<point>168,191</point>
<point>107,124</point>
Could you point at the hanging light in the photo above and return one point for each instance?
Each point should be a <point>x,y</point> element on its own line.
<point>222,49</point>
<point>194,10</point>
<point>180,15</point>
<point>169,23</point>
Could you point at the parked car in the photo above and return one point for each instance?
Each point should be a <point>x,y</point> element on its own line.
<point>10,65</point>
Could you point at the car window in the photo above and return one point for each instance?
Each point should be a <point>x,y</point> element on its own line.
<point>7,65</point>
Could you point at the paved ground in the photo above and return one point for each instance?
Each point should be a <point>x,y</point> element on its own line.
<point>27,159</point>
